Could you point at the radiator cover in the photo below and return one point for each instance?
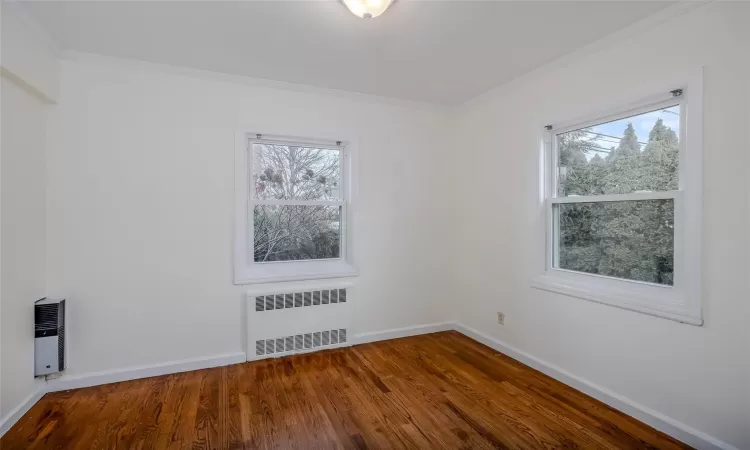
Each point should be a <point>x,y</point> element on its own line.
<point>298,319</point>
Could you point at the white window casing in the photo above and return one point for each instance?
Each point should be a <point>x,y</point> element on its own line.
<point>246,270</point>
<point>682,300</point>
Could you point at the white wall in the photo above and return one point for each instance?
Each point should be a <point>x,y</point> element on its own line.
<point>140,216</point>
<point>141,207</point>
<point>23,238</point>
<point>29,56</point>
<point>29,84</point>
<point>696,375</point>
<point>1,246</point>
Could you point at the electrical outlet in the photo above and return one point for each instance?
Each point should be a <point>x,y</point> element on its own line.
<point>500,318</point>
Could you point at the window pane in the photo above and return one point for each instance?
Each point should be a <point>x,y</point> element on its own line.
<point>629,239</point>
<point>637,153</point>
<point>293,233</point>
<point>284,172</point>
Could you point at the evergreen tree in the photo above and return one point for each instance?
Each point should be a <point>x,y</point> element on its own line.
<point>660,159</point>
<point>573,147</point>
<point>597,160</point>
<point>629,145</point>
<point>634,239</point>
<point>662,133</point>
<point>624,176</point>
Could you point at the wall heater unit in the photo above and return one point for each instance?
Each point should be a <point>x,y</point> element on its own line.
<point>49,334</point>
<point>298,320</point>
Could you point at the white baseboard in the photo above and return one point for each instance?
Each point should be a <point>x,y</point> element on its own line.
<point>395,333</point>
<point>66,382</point>
<point>667,425</point>
<point>12,417</point>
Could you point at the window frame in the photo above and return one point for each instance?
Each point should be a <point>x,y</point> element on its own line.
<point>681,301</point>
<point>246,269</point>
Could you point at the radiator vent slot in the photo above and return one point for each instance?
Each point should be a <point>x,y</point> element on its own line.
<point>299,299</point>
<point>300,342</point>
<point>289,343</point>
<point>45,317</point>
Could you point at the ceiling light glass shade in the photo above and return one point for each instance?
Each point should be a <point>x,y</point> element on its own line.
<point>367,9</point>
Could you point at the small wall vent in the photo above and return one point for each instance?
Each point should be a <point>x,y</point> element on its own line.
<point>49,336</point>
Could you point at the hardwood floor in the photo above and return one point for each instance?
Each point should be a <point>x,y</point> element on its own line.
<point>439,390</point>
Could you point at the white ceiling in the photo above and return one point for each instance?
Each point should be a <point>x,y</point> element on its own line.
<point>435,51</point>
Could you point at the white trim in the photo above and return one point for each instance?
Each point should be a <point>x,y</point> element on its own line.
<point>652,103</point>
<point>276,288</point>
<point>659,421</point>
<point>689,233</point>
<point>635,196</point>
<point>37,71</point>
<point>284,271</point>
<point>66,382</point>
<point>249,272</point>
<point>28,88</point>
<point>12,417</point>
<point>631,295</point>
<point>396,333</point>
<point>298,202</point>
<point>681,302</point>
<point>365,338</point>
<point>274,139</point>
<point>222,77</point>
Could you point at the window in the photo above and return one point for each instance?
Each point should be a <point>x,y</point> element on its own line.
<point>621,194</point>
<point>292,213</point>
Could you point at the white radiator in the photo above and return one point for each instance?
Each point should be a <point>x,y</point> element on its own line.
<point>297,320</point>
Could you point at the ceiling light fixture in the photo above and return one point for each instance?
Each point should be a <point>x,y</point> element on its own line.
<point>367,9</point>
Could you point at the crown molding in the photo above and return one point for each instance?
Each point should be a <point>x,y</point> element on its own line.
<point>126,63</point>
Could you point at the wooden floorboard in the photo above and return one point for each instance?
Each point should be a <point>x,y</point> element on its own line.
<point>435,391</point>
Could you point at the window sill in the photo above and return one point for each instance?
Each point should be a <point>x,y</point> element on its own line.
<point>658,301</point>
<point>293,271</point>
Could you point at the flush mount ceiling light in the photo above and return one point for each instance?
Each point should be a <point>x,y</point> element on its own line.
<point>367,9</point>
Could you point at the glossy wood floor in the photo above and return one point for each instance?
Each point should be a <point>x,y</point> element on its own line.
<point>434,391</point>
